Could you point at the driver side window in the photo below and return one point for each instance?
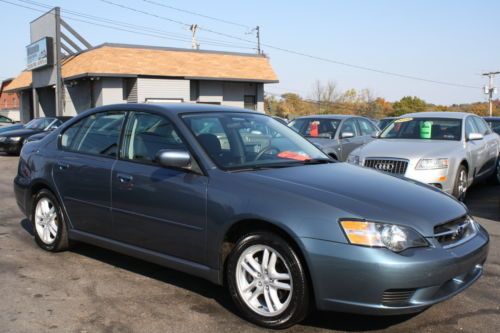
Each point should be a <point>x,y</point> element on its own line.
<point>470,127</point>
<point>349,126</point>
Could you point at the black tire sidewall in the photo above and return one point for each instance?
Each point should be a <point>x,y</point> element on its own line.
<point>61,227</point>
<point>299,305</point>
<point>457,179</point>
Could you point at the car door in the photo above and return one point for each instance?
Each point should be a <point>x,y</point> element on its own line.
<point>367,129</point>
<point>82,173</point>
<point>154,207</point>
<point>474,148</point>
<point>348,144</point>
<point>490,151</point>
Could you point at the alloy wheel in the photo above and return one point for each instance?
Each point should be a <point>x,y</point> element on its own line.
<point>264,280</point>
<point>46,223</point>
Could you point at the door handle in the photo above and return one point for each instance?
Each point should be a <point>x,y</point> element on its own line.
<point>62,165</point>
<point>124,178</point>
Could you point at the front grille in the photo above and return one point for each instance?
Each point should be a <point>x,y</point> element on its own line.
<point>455,232</point>
<point>392,297</point>
<point>392,166</point>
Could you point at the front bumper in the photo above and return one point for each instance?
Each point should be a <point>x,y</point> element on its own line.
<point>22,193</point>
<point>349,278</point>
<point>439,178</point>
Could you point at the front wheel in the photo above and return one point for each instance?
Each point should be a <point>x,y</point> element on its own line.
<point>461,183</point>
<point>267,281</point>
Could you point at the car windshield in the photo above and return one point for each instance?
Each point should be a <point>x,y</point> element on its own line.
<point>316,127</point>
<point>424,129</point>
<point>495,125</point>
<point>39,123</point>
<point>236,141</point>
<point>384,122</point>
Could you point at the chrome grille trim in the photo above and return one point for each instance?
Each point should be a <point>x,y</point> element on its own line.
<point>455,232</point>
<point>394,166</point>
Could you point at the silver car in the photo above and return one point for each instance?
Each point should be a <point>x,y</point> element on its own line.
<point>336,135</point>
<point>449,150</point>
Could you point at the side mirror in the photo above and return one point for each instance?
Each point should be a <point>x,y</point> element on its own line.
<point>475,136</point>
<point>325,135</point>
<point>375,134</point>
<point>346,135</point>
<point>174,158</point>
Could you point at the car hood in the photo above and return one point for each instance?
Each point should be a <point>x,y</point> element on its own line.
<point>408,148</point>
<point>39,135</point>
<point>21,132</point>
<point>367,194</point>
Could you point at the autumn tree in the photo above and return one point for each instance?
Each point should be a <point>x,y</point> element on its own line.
<point>408,104</point>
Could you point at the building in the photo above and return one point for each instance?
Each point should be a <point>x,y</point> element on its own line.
<point>9,101</point>
<point>66,76</point>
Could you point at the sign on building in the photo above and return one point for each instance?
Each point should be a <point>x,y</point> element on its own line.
<point>39,53</point>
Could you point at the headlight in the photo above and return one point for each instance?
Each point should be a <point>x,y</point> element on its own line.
<point>394,237</point>
<point>353,159</point>
<point>15,138</point>
<point>435,163</point>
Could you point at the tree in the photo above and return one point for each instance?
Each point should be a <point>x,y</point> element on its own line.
<point>408,104</point>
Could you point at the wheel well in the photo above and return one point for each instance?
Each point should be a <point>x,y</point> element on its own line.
<point>37,187</point>
<point>466,165</point>
<point>241,228</point>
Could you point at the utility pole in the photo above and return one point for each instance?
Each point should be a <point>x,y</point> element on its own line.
<point>194,43</point>
<point>490,89</point>
<point>257,30</point>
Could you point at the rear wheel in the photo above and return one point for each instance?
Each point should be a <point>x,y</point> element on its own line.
<point>461,183</point>
<point>267,281</point>
<point>50,230</point>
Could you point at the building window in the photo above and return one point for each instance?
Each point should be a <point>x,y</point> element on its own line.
<point>250,102</point>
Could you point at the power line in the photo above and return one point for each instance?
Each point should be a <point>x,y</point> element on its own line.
<point>333,61</point>
<point>197,14</point>
<point>126,27</point>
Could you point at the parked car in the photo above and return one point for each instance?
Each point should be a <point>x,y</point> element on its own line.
<point>279,227</point>
<point>284,121</point>
<point>336,135</point>
<point>5,121</point>
<point>494,123</point>
<point>449,150</point>
<point>382,123</point>
<point>12,141</point>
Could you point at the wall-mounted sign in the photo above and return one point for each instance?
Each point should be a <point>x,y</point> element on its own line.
<point>39,53</point>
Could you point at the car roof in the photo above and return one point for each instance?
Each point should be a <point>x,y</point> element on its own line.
<point>438,114</point>
<point>328,116</point>
<point>175,108</point>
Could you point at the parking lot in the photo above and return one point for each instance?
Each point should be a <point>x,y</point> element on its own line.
<point>89,289</point>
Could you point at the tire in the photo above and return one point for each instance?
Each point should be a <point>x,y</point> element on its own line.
<point>460,186</point>
<point>49,226</point>
<point>288,307</point>
<point>496,175</point>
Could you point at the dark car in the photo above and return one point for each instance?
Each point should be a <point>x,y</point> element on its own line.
<point>12,141</point>
<point>494,123</point>
<point>5,121</point>
<point>382,123</point>
<point>280,224</point>
<point>336,135</point>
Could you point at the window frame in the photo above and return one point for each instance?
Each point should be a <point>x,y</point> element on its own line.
<point>356,129</point>
<point>196,166</point>
<point>59,139</point>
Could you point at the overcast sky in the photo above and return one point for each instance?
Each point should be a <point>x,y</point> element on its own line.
<point>447,40</point>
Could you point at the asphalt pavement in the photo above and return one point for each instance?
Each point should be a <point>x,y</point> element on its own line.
<point>89,289</point>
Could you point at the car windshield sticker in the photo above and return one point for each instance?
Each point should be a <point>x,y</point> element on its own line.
<point>290,155</point>
<point>426,130</point>
<point>403,120</point>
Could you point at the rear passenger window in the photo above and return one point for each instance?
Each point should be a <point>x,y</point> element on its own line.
<point>145,135</point>
<point>98,134</point>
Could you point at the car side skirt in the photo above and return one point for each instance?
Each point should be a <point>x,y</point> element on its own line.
<point>161,259</point>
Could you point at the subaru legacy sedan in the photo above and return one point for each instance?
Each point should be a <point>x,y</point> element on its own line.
<point>237,198</point>
<point>336,135</point>
<point>448,150</point>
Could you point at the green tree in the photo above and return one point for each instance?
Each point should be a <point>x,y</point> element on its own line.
<point>408,104</point>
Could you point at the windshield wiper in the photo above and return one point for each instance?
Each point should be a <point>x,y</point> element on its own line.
<point>317,161</point>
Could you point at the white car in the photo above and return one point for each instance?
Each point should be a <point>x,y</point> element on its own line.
<point>449,150</point>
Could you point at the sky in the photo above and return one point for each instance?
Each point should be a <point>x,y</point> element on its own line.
<point>448,40</point>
